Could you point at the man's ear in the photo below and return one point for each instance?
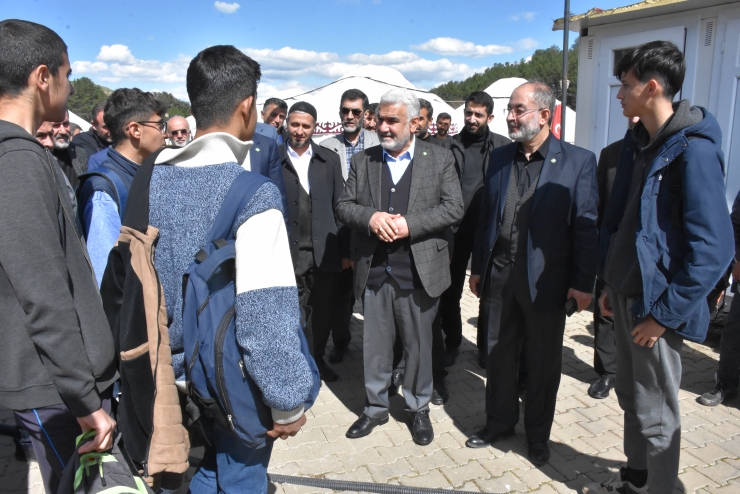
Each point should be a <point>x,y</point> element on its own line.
<point>490,118</point>
<point>654,88</point>
<point>414,124</point>
<point>134,130</point>
<point>247,110</point>
<point>40,78</point>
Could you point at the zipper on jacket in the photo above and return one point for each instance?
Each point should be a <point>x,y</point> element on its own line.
<point>219,353</point>
<point>242,367</point>
<point>156,358</point>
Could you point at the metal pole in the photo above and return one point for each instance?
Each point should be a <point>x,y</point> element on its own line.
<point>564,82</point>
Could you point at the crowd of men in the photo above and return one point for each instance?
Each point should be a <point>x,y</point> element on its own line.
<point>386,214</point>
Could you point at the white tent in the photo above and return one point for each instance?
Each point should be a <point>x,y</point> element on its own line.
<point>501,90</point>
<point>374,81</point>
<point>75,119</point>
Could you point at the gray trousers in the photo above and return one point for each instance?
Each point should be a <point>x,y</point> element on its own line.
<point>648,380</point>
<point>388,309</point>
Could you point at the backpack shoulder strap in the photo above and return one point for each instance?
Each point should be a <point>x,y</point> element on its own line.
<point>242,190</point>
<point>137,215</point>
<point>118,186</point>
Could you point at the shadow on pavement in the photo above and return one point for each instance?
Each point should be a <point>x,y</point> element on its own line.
<point>14,472</point>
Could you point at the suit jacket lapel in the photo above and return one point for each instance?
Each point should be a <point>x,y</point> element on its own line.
<point>421,162</point>
<point>285,159</point>
<point>375,175</point>
<point>550,169</point>
<point>504,183</point>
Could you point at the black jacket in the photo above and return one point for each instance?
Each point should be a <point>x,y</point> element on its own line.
<point>56,342</point>
<point>72,161</point>
<point>90,142</point>
<point>330,238</point>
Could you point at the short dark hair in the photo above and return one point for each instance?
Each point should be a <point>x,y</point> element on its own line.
<point>73,126</point>
<point>480,98</point>
<point>661,60</point>
<point>372,108</point>
<point>444,116</point>
<point>97,109</point>
<point>129,105</point>
<point>353,94</point>
<point>277,102</point>
<point>218,79</point>
<point>24,46</point>
<point>426,104</point>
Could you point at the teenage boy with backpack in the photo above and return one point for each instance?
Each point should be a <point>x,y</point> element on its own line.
<point>136,121</point>
<point>666,239</point>
<point>189,189</point>
<point>56,360</point>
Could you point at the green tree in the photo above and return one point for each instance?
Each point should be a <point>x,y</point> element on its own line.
<point>87,95</point>
<point>545,66</point>
<point>176,106</point>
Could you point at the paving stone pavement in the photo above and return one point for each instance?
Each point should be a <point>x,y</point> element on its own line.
<point>586,441</point>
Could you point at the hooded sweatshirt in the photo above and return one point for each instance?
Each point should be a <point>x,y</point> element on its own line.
<point>622,269</point>
<point>57,345</point>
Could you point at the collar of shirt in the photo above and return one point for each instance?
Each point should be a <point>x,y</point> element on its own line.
<point>301,164</point>
<point>360,140</point>
<point>539,154</point>
<point>398,166</point>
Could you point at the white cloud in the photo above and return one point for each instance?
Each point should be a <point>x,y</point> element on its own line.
<point>227,8</point>
<point>89,67</point>
<point>527,44</point>
<point>115,53</point>
<point>388,58</point>
<point>450,47</point>
<point>289,58</point>
<point>523,16</point>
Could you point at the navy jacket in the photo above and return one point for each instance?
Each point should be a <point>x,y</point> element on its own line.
<point>679,267</point>
<point>265,160</point>
<point>562,247</point>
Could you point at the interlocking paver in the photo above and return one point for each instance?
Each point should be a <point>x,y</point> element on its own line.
<point>586,441</point>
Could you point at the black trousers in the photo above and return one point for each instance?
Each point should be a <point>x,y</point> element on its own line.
<point>605,346</point>
<point>449,302</point>
<point>318,297</point>
<point>340,333</point>
<point>512,318</point>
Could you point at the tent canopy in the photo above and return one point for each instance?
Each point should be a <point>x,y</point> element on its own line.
<point>501,90</point>
<point>73,118</point>
<point>374,81</point>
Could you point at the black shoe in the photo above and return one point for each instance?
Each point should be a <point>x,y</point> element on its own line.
<point>717,395</point>
<point>539,453</point>
<point>485,437</point>
<point>600,389</point>
<point>364,426</point>
<point>421,428</point>
<point>327,373</point>
<point>440,395</point>
<point>450,356</point>
<point>482,359</point>
<point>337,354</point>
<point>396,380</point>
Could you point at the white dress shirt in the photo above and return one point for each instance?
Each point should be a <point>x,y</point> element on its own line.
<point>300,163</point>
<point>398,165</point>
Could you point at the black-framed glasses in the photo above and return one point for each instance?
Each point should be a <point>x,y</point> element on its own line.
<point>178,132</point>
<point>520,112</point>
<point>355,111</point>
<point>162,124</point>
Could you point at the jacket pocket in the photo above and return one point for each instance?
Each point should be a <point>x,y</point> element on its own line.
<point>136,352</point>
<point>441,244</point>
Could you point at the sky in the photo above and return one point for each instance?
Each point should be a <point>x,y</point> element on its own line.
<point>300,45</point>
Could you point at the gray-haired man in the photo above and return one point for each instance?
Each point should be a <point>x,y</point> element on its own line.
<point>398,201</point>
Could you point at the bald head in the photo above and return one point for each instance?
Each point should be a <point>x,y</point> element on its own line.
<point>178,131</point>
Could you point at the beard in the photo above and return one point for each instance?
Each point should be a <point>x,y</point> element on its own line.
<point>526,132</point>
<point>61,145</point>
<point>351,127</point>
<point>180,144</point>
<point>390,143</point>
<point>298,143</point>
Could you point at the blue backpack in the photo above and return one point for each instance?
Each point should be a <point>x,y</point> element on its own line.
<point>220,386</point>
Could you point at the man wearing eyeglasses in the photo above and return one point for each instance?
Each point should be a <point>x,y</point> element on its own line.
<point>178,131</point>
<point>353,139</point>
<point>535,250</point>
<point>136,123</point>
<point>471,149</point>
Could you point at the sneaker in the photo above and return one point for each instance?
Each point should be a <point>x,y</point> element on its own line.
<point>615,485</point>
<point>716,396</point>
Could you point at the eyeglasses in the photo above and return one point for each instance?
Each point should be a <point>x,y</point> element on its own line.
<point>355,111</point>
<point>178,132</point>
<point>520,112</point>
<point>162,124</point>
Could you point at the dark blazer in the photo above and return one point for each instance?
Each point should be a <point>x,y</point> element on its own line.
<point>330,240</point>
<point>265,160</point>
<point>562,247</point>
<point>606,170</point>
<point>435,203</point>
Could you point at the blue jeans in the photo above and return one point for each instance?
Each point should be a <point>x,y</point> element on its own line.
<point>230,466</point>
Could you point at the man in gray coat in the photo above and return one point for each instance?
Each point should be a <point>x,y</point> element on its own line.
<point>399,199</point>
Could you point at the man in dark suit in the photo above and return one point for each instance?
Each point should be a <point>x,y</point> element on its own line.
<point>264,159</point>
<point>399,199</point>
<point>318,245</point>
<point>535,248</point>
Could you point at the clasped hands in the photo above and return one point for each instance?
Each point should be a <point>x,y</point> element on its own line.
<point>388,227</point>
